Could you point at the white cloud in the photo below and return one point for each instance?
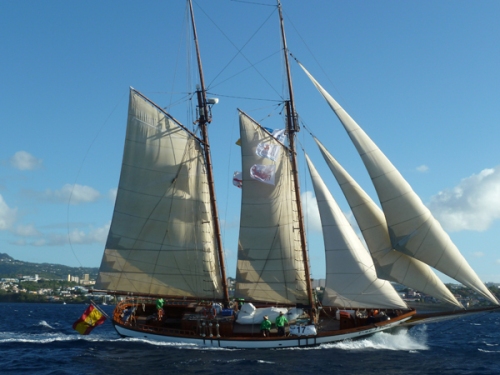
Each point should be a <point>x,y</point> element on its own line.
<point>74,194</point>
<point>471,205</point>
<point>94,235</point>
<point>27,230</point>
<point>312,218</point>
<point>423,168</point>
<point>112,194</point>
<point>7,215</point>
<point>76,236</point>
<point>478,254</point>
<point>24,161</point>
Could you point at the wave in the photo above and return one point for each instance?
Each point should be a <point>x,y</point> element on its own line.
<point>488,351</point>
<point>45,324</point>
<point>47,338</point>
<point>400,340</point>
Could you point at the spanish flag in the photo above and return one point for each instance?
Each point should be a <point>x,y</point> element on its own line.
<point>90,319</point>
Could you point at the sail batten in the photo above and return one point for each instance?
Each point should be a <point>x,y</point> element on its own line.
<point>161,237</point>
<point>412,228</point>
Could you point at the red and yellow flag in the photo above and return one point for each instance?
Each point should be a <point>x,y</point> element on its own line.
<point>90,319</point>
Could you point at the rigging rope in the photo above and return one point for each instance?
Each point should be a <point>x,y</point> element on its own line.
<point>80,170</point>
<point>240,50</point>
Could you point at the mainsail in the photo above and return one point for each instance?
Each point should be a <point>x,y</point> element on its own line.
<point>351,279</point>
<point>390,264</point>
<point>412,228</point>
<point>270,262</point>
<point>161,238</point>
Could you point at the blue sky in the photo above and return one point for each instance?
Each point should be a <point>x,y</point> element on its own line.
<point>421,78</point>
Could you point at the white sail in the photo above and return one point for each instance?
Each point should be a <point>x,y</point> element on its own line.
<point>390,264</point>
<point>161,239</point>
<point>270,263</point>
<point>351,279</point>
<point>412,228</point>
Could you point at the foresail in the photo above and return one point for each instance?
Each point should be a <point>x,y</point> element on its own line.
<point>161,238</point>
<point>412,228</point>
<point>390,264</point>
<point>270,263</point>
<point>351,280</point>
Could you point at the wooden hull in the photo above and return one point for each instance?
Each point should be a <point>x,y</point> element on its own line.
<point>222,331</point>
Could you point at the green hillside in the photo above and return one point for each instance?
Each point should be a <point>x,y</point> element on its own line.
<point>12,268</point>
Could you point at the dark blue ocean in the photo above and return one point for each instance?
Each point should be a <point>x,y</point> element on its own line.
<point>39,339</point>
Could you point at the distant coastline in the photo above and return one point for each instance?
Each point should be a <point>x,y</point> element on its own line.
<point>45,282</point>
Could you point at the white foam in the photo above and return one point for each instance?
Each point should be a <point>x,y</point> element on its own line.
<point>489,351</point>
<point>45,324</point>
<point>400,340</point>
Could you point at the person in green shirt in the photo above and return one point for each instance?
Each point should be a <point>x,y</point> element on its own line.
<point>159,308</point>
<point>281,320</point>
<point>265,327</point>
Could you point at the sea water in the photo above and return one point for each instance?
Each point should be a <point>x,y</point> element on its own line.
<point>39,339</point>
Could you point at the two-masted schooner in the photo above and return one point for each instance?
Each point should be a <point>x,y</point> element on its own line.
<point>164,249</point>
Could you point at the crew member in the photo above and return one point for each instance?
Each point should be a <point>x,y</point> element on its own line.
<point>281,320</point>
<point>265,327</point>
<point>159,308</point>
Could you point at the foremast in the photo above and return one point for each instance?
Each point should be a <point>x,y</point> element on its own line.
<point>203,121</point>
<point>292,128</point>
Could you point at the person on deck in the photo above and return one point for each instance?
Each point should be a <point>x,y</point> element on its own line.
<point>159,308</point>
<point>281,320</point>
<point>265,327</point>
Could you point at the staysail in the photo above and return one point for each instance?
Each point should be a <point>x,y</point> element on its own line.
<point>161,238</point>
<point>390,264</point>
<point>351,279</point>
<point>412,228</point>
<point>270,263</point>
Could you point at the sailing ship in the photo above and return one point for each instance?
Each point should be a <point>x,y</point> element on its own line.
<point>164,248</point>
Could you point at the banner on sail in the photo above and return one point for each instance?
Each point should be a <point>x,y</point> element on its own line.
<point>263,173</point>
<point>269,150</point>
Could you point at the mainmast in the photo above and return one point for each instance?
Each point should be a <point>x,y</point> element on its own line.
<point>204,120</point>
<point>292,128</point>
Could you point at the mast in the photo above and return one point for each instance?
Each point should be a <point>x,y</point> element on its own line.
<point>204,120</point>
<point>292,128</point>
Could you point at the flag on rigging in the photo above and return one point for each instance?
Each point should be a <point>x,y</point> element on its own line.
<point>91,318</point>
<point>238,179</point>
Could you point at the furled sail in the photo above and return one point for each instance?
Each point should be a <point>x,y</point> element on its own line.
<point>161,237</point>
<point>412,228</point>
<point>270,263</point>
<point>351,279</point>
<point>390,264</point>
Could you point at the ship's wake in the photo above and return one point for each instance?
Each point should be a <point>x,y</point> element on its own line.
<point>401,339</point>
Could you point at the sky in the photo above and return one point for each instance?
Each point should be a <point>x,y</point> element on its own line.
<point>420,77</point>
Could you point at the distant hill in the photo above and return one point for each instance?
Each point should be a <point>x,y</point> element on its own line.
<point>12,268</point>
